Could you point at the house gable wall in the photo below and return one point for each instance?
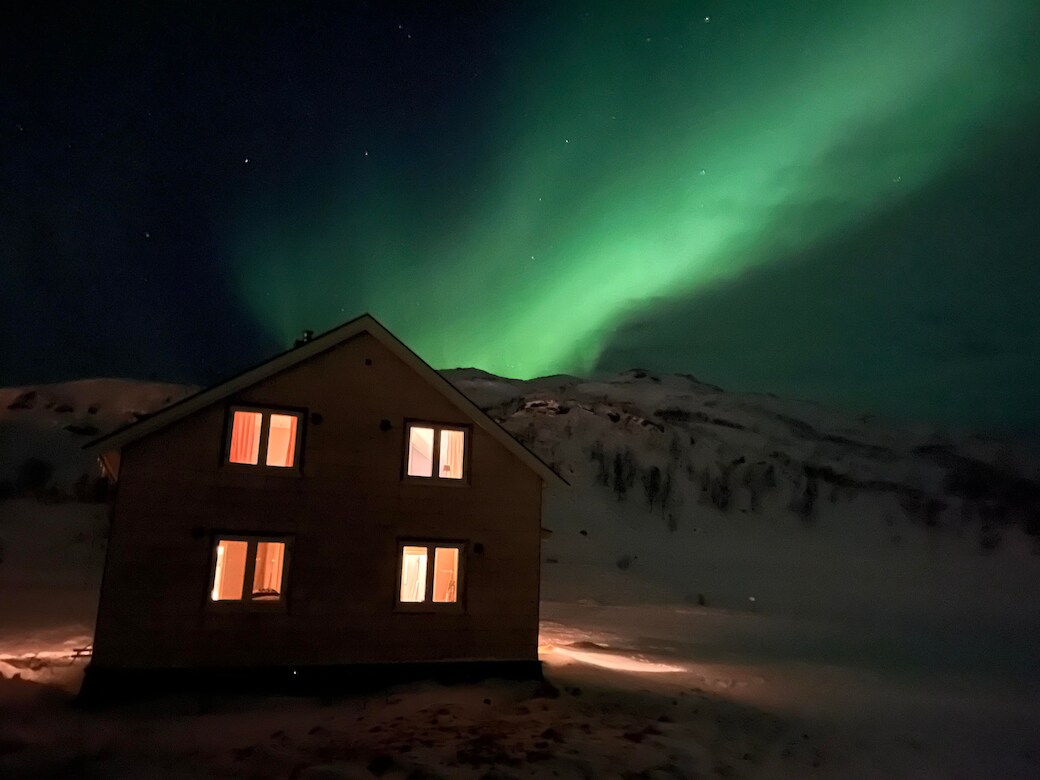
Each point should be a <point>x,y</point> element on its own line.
<point>345,513</point>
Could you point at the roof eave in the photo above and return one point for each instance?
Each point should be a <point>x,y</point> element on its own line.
<point>366,323</point>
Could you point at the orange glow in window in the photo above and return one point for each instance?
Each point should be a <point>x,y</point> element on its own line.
<point>453,444</point>
<point>420,452</point>
<point>281,440</point>
<point>413,575</point>
<point>445,575</point>
<point>245,437</point>
<point>267,576</point>
<point>230,570</point>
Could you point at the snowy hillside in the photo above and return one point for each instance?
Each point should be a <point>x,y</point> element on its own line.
<point>43,429</point>
<point>735,584</point>
<point>53,516</point>
<point>679,491</point>
<point>750,501</point>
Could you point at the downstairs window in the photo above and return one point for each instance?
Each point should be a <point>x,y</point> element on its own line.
<point>249,569</point>
<point>430,574</point>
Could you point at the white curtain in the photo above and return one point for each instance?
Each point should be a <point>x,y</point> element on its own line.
<point>267,575</point>
<point>413,575</point>
<point>453,444</point>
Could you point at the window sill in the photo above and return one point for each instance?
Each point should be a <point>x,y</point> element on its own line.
<point>429,609</point>
<point>436,481</point>
<point>279,605</point>
<point>264,471</point>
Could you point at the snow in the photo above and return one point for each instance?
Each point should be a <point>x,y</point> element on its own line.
<point>716,624</point>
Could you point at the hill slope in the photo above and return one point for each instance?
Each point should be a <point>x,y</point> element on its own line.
<point>679,491</point>
<point>782,589</point>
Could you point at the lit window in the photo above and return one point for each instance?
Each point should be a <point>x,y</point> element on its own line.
<point>281,441</point>
<point>272,436</point>
<point>413,575</point>
<point>267,576</point>
<point>436,452</point>
<point>245,437</point>
<point>446,575</point>
<point>425,584</point>
<point>420,452</point>
<point>230,570</point>
<point>238,561</point>
<point>452,444</point>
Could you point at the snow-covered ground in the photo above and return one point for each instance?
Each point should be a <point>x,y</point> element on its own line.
<point>794,593</point>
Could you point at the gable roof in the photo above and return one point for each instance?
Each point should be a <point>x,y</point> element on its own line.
<point>366,323</point>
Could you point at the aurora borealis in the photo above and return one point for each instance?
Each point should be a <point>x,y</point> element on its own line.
<point>829,200</point>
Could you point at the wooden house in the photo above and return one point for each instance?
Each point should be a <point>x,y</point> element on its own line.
<point>340,512</point>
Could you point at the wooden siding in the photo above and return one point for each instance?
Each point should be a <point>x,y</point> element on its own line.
<point>345,512</point>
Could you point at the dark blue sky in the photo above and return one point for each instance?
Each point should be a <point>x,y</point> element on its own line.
<point>832,201</point>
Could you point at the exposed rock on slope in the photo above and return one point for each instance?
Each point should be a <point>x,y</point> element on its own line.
<point>677,441</point>
<point>679,487</point>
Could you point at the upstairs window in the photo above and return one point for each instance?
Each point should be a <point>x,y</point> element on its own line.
<point>249,569</point>
<point>430,574</point>
<point>436,451</point>
<point>268,438</point>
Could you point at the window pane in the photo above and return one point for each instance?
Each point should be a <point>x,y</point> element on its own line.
<point>420,452</point>
<point>267,577</point>
<point>413,574</point>
<point>452,446</point>
<point>281,440</point>
<point>445,574</point>
<point>245,437</point>
<point>230,570</point>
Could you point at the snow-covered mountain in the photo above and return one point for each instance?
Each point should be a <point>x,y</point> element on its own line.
<point>734,584</point>
<point>684,491</point>
<point>43,429</point>
<point>677,488</point>
<point>671,442</point>
<point>677,443</point>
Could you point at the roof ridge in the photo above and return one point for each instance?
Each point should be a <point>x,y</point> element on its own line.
<point>365,323</point>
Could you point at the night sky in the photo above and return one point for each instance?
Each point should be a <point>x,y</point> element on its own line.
<point>830,200</point>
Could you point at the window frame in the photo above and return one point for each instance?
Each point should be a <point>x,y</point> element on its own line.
<point>434,478</point>
<point>265,429</point>
<point>428,606</point>
<point>247,602</point>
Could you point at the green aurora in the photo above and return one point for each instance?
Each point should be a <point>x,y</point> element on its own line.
<point>612,161</point>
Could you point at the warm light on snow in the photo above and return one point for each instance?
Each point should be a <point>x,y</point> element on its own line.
<point>606,660</point>
<point>54,657</point>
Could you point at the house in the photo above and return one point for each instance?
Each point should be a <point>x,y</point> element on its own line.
<point>338,513</point>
